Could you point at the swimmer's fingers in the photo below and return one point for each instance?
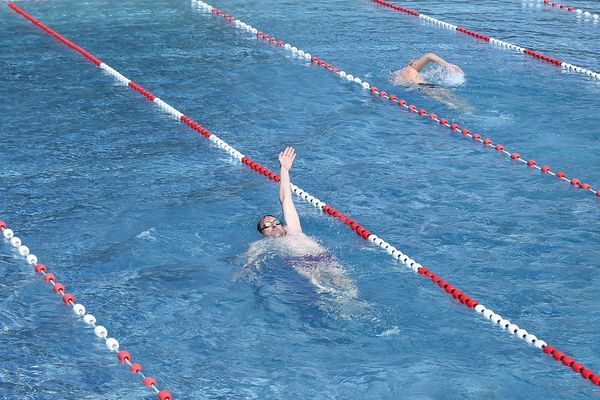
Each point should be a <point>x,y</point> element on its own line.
<point>283,153</point>
<point>286,157</point>
<point>289,151</point>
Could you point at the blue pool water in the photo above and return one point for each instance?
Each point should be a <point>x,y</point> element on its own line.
<point>149,224</point>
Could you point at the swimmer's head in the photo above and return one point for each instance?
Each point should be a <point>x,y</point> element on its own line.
<point>454,75</point>
<point>454,68</point>
<point>269,225</point>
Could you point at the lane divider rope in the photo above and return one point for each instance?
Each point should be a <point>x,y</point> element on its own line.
<point>490,39</point>
<point>79,309</point>
<point>360,230</point>
<point>487,142</point>
<point>577,11</point>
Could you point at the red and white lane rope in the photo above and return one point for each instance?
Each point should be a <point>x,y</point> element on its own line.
<point>490,39</point>
<point>577,11</point>
<point>360,230</point>
<point>112,344</point>
<point>454,127</point>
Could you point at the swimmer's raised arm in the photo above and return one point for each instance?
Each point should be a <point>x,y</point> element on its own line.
<point>422,61</point>
<point>411,73</point>
<point>292,220</point>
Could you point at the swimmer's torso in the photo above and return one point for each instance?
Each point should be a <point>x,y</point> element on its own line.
<point>300,244</point>
<point>309,259</point>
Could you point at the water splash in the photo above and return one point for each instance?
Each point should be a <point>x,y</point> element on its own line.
<point>147,235</point>
<point>444,76</point>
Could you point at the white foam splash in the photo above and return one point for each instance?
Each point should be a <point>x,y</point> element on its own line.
<point>390,332</point>
<point>444,76</point>
<point>147,235</point>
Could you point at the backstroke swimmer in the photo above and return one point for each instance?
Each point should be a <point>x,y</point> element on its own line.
<point>302,252</point>
<point>411,77</point>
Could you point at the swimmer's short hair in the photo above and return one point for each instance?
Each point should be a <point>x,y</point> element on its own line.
<point>261,220</point>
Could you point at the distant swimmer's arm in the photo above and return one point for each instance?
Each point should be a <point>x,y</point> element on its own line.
<point>292,220</point>
<point>422,61</point>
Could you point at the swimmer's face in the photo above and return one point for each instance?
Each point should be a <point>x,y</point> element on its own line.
<point>271,226</point>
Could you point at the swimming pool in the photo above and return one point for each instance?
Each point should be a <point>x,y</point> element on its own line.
<point>150,227</point>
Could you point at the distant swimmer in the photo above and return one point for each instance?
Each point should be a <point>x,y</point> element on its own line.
<point>300,251</point>
<point>411,77</point>
<point>411,73</point>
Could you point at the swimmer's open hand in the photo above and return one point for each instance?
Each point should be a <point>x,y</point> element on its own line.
<point>286,157</point>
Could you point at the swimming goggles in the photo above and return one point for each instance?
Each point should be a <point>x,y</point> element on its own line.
<point>269,224</point>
